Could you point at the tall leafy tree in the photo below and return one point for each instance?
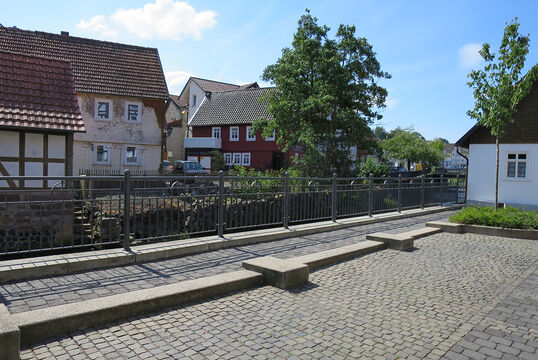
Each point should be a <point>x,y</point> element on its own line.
<point>327,95</point>
<point>499,87</point>
<point>409,145</point>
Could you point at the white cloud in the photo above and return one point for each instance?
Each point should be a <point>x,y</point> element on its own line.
<point>97,24</point>
<point>176,80</point>
<point>469,56</point>
<point>163,19</point>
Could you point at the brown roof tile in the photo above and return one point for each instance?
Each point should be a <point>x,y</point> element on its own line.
<point>99,67</point>
<point>38,93</point>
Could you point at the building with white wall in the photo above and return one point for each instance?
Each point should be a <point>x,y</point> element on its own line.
<point>121,92</point>
<point>518,157</point>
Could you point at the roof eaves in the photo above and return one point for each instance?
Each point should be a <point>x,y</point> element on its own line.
<point>464,140</point>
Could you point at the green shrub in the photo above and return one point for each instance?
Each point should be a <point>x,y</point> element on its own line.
<point>377,169</point>
<point>505,218</point>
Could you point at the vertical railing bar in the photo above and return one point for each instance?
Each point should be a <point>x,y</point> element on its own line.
<point>126,209</point>
<point>286,218</point>
<point>370,195</point>
<point>442,192</point>
<point>333,199</point>
<point>220,225</point>
<point>400,193</point>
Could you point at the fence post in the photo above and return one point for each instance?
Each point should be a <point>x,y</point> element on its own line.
<point>457,188</point>
<point>333,198</point>
<point>286,215</point>
<point>371,196</point>
<point>442,191</point>
<point>127,209</point>
<point>222,199</point>
<point>399,192</point>
<point>422,181</point>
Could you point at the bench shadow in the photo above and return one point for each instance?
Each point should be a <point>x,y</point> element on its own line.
<point>303,288</point>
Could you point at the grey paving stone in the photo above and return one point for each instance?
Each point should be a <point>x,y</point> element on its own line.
<point>433,302</point>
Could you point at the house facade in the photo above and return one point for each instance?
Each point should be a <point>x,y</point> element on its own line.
<point>181,108</point>
<point>224,121</point>
<point>121,93</point>
<point>453,159</point>
<point>39,114</point>
<point>518,171</point>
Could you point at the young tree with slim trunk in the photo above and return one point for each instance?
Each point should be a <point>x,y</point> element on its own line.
<point>327,94</point>
<point>498,87</point>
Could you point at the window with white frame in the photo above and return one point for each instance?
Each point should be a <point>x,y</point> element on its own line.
<point>101,154</point>
<point>271,138</point>
<point>228,158</point>
<point>102,109</point>
<point>516,165</point>
<point>132,111</point>
<point>131,155</point>
<point>234,133</point>
<point>237,158</point>
<point>245,159</point>
<point>251,135</point>
<point>216,132</point>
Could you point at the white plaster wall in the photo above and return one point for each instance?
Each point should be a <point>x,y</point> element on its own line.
<point>9,141</point>
<point>33,144</point>
<point>175,142</point>
<point>200,95</point>
<point>56,146</point>
<point>146,134</point>
<point>83,156</point>
<point>511,192</point>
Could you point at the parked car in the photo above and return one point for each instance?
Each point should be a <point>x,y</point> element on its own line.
<point>190,168</point>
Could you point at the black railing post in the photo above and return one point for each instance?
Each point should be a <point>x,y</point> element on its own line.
<point>442,191</point>
<point>333,199</point>
<point>127,209</point>
<point>222,199</point>
<point>286,207</point>
<point>371,196</point>
<point>400,193</point>
<point>422,181</point>
<point>457,188</point>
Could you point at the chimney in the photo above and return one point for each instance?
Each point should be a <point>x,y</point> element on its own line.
<point>64,33</point>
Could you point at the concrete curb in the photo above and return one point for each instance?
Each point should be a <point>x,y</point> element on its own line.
<point>9,336</point>
<point>39,325</point>
<point>484,230</point>
<point>31,268</point>
<point>402,241</point>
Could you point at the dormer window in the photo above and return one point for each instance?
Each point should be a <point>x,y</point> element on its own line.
<point>132,111</point>
<point>102,109</point>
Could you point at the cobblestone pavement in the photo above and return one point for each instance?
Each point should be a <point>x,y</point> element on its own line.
<point>28,295</point>
<point>474,291</point>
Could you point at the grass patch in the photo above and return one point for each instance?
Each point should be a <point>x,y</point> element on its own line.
<point>509,218</point>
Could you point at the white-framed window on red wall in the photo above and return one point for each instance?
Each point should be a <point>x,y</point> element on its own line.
<point>245,159</point>
<point>234,133</point>
<point>215,132</point>
<point>237,159</point>
<point>251,135</point>
<point>228,158</point>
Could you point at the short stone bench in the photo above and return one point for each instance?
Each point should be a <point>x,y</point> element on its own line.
<point>403,241</point>
<point>284,274</point>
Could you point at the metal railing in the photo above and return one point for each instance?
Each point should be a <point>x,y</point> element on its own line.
<point>50,213</point>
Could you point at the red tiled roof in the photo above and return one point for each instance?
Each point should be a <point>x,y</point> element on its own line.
<point>38,93</point>
<point>99,67</point>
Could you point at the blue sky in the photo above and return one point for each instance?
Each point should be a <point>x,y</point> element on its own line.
<point>428,47</point>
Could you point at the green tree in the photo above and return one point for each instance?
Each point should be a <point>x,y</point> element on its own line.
<point>438,144</point>
<point>499,87</point>
<point>409,145</point>
<point>377,169</point>
<point>380,132</point>
<point>218,162</point>
<point>327,95</point>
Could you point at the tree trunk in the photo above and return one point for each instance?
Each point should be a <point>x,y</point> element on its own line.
<point>408,165</point>
<point>496,203</point>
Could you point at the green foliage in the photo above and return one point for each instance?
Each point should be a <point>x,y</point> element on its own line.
<point>498,88</point>
<point>377,169</point>
<point>505,218</point>
<point>268,180</point>
<point>380,132</point>
<point>217,160</point>
<point>327,95</point>
<point>406,144</point>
